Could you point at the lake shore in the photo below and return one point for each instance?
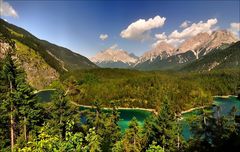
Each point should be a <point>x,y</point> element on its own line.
<point>225,96</point>
<point>153,110</point>
<point>37,91</point>
<point>192,109</point>
<point>119,108</point>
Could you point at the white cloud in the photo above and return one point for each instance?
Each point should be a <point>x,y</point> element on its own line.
<point>139,30</point>
<point>113,47</point>
<point>194,29</point>
<point>174,42</point>
<point>176,37</point>
<point>235,28</point>
<point>185,24</point>
<point>161,36</point>
<point>103,37</point>
<point>7,10</point>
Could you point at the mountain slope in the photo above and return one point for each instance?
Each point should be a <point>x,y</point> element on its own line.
<point>217,59</point>
<point>42,61</point>
<point>57,57</point>
<point>114,58</point>
<point>38,73</point>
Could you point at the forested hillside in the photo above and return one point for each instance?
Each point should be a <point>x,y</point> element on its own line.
<point>42,61</point>
<point>217,59</point>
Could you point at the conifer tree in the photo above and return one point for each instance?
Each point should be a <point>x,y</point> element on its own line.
<point>4,117</point>
<point>61,111</point>
<point>9,73</point>
<point>18,100</point>
<point>28,106</point>
<point>132,138</point>
<point>164,129</point>
<point>94,141</point>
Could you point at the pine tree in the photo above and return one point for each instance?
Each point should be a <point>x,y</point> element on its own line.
<point>212,132</point>
<point>61,111</point>
<point>132,138</point>
<point>4,123</point>
<point>111,131</point>
<point>9,73</point>
<point>28,106</point>
<point>155,148</point>
<point>105,124</point>
<point>94,141</point>
<point>18,100</point>
<point>164,130</point>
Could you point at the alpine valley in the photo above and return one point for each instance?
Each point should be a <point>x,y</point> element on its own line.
<point>181,94</point>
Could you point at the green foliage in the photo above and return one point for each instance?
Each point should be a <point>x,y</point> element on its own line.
<point>20,110</point>
<point>155,148</point>
<point>94,141</point>
<point>44,142</point>
<point>61,111</point>
<point>105,125</point>
<point>118,146</point>
<point>164,130</point>
<point>214,132</point>
<point>132,138</point>
<point>88,78</point>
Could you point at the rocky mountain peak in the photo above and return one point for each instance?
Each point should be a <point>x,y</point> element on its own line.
<point>219,38</point>
<point>193,44</point>
<point>162,50</point>
<point>114,55</point>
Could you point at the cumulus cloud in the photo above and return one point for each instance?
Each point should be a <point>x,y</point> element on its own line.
<point>103,37</point>
<point>176,37</point>
<point>194,29</point>
<point>7,10</point>
<point>185,24</point>
<point>139,30</point>
<point>161,36</point>
<point>113,47</point>
<point>164,38</point>
<point>235,28</point>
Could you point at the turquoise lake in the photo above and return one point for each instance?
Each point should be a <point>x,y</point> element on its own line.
<point>225,104</point>
<point>126,115</point>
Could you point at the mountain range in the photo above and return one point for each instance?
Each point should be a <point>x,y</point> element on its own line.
<point>164,56</point>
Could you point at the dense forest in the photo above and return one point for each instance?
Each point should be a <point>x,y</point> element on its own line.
<point>29,125</point>
<point>132,88</point>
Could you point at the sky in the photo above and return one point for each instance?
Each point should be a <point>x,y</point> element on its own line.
<point>87,27</point>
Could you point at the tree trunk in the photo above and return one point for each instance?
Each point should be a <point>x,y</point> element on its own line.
<point>178,140</point>
<point>25,128</point>
<point>12,130</point>
<point>61,127</point>
<point>134,143</point>
<point>11,121</point>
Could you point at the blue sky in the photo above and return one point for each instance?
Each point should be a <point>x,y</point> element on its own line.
<point>77,25</point>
